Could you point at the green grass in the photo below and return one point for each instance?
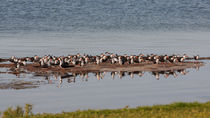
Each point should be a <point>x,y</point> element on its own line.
<point>174,110</point>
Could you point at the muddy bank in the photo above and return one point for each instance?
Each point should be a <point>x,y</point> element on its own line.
<point>20,84</point>
<point>105,67</point>
<point>72,71</point>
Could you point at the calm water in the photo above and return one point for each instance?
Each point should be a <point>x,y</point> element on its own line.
<point>62,27</point>
<point>107,92</point>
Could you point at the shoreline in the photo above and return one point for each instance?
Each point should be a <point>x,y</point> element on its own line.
<point>172,110</point>
<point>72,71</point>
<point>104,67</point>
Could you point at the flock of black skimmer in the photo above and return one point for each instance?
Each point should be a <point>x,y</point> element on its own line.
<point>82,60</point>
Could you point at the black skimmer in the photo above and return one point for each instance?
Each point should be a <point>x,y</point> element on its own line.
<point>120,60</point>
<point>196,57</point>
<point>97,60</point>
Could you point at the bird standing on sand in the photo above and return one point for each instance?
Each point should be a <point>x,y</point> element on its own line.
<point>120,60</point>
<point>97,60</point>
<point>196,57</point>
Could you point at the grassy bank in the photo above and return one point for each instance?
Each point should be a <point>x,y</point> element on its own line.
<point>174,110</point>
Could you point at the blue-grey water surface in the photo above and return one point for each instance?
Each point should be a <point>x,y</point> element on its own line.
<point>62,27</point>
<point>94,15</point>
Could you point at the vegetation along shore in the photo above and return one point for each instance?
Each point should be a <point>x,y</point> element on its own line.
<point>174,110</point>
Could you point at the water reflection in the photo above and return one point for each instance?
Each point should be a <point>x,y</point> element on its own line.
<point>71,78</point>
<point>59,78</point>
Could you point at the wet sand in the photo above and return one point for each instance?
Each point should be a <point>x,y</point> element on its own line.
<point>20,85</point>
<point>35,69</point>
<point>105,67</point>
